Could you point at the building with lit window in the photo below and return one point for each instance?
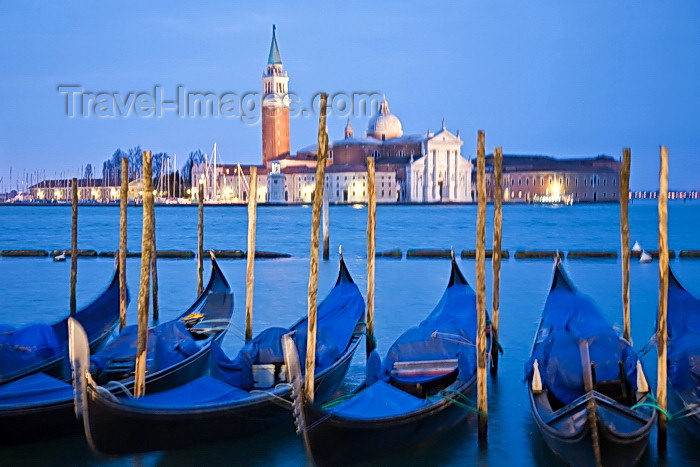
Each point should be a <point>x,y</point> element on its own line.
<point>528,179</point>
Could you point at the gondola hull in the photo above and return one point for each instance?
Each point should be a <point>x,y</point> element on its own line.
<point>623,435</point>
<point>118,428</point>
<point>333,440</point>
<point>22,421</point>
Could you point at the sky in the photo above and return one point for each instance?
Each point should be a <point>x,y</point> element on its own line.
<point>562,78</point>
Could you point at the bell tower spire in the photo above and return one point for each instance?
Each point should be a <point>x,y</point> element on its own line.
<point>275,106</point>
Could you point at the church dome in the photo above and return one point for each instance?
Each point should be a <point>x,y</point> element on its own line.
<point>384,125</point>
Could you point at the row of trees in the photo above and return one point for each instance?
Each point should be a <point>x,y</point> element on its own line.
<point>175,181</point>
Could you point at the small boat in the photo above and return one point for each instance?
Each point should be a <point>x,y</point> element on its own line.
<point>684,355</point>
<point>637,248</point>
<point>230,398</point>
<point>420,390</point>
<point>61,257</point>
<point>34,366</point>
<point>645,257</point>
<point>588,392</point>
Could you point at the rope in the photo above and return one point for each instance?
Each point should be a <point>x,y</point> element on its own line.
<point>338,401</point>
<point>452,338</point>
<point>669,417</point>
<point>446,394</point>
<point>273,395</point>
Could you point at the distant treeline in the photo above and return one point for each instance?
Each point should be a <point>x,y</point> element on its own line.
<point>163,168</point>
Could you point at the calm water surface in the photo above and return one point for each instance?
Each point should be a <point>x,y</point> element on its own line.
<point>34,290</point>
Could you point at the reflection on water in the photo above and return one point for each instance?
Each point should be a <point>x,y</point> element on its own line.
<point>37,290</point>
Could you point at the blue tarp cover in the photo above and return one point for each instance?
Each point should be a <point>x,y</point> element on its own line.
<point>27,347</point>
<point>336,320</point>
<point>380,400</point>
<point>230,380</point>
<point>571,318</point>
<point>34,389</point>
<point>202,391</point>
<point>168,343</point>
<point>684,340</point>
<point>449,332</point>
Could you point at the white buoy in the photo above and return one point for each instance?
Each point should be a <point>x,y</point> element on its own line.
<point>645,257</point>
<point>636,247</point>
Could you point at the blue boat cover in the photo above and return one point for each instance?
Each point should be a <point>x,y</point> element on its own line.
<point>684,340</point>
<point>570,318</point>
<point>336,319</point>
<point>168,344</point>
<point>230,380</point>
<point>380,400</point>
<point>201,391</point>
<point>26,347</point>
<point>35,389</point>
<point>29,348</point>
<point>449,332</point>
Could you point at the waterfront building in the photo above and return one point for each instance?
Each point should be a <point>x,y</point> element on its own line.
<point>418,168</point>
<point>529,179</point>
<point>96,190</point>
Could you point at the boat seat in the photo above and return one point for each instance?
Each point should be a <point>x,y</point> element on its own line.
<point>424,368</point>
<point>423,378</point>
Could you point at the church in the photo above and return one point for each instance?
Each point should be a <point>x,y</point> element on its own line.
<point>415,168</point>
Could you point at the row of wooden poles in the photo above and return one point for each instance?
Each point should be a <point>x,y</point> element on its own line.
<point>320,204</point>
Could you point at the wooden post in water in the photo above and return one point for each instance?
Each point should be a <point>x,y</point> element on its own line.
<point>371,249</point>
<point>74,246</point>
<point>662,333</point>
<point>482,401</point>
<point>154,269</point>
<point>496,257</point>
<point>124,199</point>
<point>313,253</point>
<point>146,252</point>
<point>250,254</point>
<point>326,228</point>
<point>625,239</point>
<point>200,239</point>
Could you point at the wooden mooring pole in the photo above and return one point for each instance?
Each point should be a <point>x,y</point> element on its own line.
<point>662,333</point>
<point>74,246</point>
<point>250,255</point>
<point>371,249</point>
<point>326,228</point>
<point>496,255</point>
<point>123,201</point>
<point>200,239</point>
<point>482,401</point>
<point>625,240</point>
<point>313,253</point>
<point>146,252</point>
<point>154,268</point>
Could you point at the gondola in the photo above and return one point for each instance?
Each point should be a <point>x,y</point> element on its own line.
<point>424,387</point>
<point>684,355</point>
<point>34,369</point>
<point>232,398</point>
<point>45,408</point>
<point>587,388</point>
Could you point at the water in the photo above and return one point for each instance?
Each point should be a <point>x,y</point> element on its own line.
<point>36,289</point>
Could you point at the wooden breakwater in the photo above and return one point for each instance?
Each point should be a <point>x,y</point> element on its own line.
<point>395,253</point>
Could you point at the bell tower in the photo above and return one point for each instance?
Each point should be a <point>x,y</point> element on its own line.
<point>275,107</point>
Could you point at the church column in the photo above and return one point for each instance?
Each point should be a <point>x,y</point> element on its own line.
<point>426,176</point>
<point>449,176</point>
<point>436,186</point>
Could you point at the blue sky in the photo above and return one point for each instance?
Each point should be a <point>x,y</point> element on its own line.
<point>564,78</point>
